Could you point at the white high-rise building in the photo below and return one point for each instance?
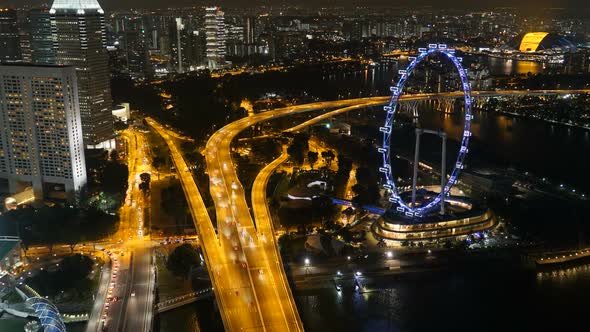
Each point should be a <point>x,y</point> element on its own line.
<point>79,40</point>
<point>215,37</point>
<point>41,142</point>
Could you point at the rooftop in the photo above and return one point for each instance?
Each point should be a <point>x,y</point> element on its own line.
<point>76,4</point>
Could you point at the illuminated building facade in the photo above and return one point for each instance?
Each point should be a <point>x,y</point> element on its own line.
<point>215,35</point>
<point>41,141</point>
<point>536,46</point>
<point>79,40</point>
<point>9,38</point>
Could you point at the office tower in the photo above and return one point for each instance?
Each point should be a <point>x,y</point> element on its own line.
<point>41,40</point>
<point>136,53</point>
<point>24,34</point>
<point>215,35</point>
<point>9,38</point>
<point>41,138</point>
<point>178,45</point>
<point>79,39</point>
<point>195,51</point>
<point>250,30</point>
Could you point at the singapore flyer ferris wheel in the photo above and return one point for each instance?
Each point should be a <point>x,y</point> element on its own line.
<point>413,209</point>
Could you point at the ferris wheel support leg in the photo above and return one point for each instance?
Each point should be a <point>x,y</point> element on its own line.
<point>443,173</point>
<point>416,160</point>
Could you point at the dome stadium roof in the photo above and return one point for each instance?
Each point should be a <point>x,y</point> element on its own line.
<point>539,42</point>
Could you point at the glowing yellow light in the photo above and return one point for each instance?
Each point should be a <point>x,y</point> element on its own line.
<point>530,42</point>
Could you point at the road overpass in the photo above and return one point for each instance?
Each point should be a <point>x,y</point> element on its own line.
<point>226,267</point>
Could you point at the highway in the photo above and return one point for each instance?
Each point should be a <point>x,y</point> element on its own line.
<point>134,271</point>
<point>266,232</point>
<point>226,267</point>
<point>140,295</point>
<point>272,293</point>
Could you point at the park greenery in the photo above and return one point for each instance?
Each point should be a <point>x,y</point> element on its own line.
<point>57,225</point>
<point>70,281</point>
<point>298,148</point>
<point>174,204</point>
<point>199,104</point>
<point>107,181</point>
<point>182,260</point>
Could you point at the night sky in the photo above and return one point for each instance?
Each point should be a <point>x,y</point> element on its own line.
<point>529,4</point>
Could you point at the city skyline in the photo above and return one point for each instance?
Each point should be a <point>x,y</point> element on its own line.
<point>535,6</point>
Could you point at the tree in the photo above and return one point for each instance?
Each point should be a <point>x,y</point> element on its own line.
<point>72,235</point>
<point>114,155</point>
<point>312,158</point>
<point>145,177</point>
<point>344,165</point>
<point>298,148</point>
<point>114,178</point>
<point>158,161</point>
<point>71,275</point>
<point>182,259</point>
<point>328,156</point>
<point>144,187</point>
<point>358,189</point>
<point>363,175</point>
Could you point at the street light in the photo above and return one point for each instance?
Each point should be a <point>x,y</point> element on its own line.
<point>389,254</point>
<point>307,262</point>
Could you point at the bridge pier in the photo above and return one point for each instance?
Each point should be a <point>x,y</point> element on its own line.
<point>480,102</point>
<point>411,107</point>
<point>446,105</point>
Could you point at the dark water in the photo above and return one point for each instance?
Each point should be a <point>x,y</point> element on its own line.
<point>558,152</point>
<point>482,298</point>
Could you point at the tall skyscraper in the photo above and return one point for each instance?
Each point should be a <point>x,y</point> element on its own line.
<point>79,39</point>
<point>215,35</point>
<point>9,38</point>
<point>41,137</point>
<point>250,30</point>
<point>24,34</point>
<point>178,45</point>
<point>41,38</point>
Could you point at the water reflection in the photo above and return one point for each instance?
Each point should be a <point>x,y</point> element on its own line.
<point>565,275</point>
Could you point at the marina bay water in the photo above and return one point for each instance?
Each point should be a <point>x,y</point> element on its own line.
<point>476,298</point>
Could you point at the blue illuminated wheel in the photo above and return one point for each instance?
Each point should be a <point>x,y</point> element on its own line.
<point>390,110</point>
